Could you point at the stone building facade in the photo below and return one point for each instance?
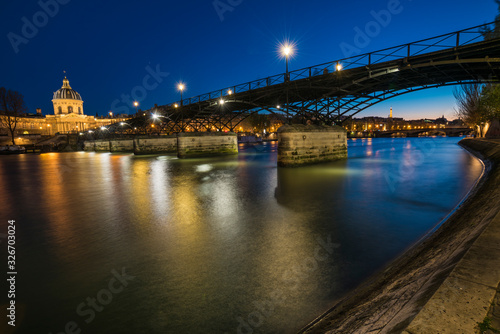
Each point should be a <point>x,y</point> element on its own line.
<point>69,117</point>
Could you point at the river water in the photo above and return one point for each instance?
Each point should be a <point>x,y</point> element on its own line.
<point>117,243</point>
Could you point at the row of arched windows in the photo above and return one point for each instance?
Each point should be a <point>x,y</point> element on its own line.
<point>70,110</point>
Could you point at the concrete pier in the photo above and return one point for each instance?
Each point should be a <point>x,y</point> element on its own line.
<point>198,144</point>
<point>160,145</point>
<point>300,145</point>
<point>121,145</point>
<point>102,146</point>
<point>89,146</point>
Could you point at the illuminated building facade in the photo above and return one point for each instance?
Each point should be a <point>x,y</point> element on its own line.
<point>68,117</point>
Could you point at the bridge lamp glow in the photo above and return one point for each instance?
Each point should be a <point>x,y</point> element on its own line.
<point>103,128</point>
<point>181,88</point>
<point>277,107</point>
<point>286,50</point>
<point>338,67</point>
<point>155,116</point>
<point>229,92</point>
<point>136,104</point>
<point>221,101</point>
<point>176,105</point>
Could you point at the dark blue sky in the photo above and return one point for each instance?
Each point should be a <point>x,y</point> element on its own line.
<point>108,48</point>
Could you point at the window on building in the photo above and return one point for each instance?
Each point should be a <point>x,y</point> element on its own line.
<point>59,110</point>
<point>79,110</point>
<point>70,109</point>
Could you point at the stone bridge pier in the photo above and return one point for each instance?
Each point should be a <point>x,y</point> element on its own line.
<point>300,145</point>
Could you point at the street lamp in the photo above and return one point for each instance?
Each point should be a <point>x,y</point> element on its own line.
<point>181,88</point>
<point>287,51</point>
<point>136,105</point>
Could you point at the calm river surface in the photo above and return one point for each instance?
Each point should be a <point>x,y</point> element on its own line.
<point>117,243</point>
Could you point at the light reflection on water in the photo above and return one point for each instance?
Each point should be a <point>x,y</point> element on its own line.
<point>218,244</point>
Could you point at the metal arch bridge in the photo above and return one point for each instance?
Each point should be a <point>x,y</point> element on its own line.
<point>332,92</point>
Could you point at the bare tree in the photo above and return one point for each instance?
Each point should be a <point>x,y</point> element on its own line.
<point>12,107</point>
<point>470,106</point>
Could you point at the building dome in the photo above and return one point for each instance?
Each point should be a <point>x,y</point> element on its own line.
<point>66,92</point>
<point>66,101</point>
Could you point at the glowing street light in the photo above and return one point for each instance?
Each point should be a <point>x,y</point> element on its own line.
<point>136,105</point>
<point>229,92</point>
<point>287,51</point>
<point>181,88</point>
<point>338,67</point>
<point>125,124</point>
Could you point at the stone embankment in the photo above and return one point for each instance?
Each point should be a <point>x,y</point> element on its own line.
<point>446,283</point>
<point>186,145</point>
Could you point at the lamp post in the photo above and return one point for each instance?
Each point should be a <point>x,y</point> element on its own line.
<point>136,105</point>
<point>181,88</point>
<point>287,51</point>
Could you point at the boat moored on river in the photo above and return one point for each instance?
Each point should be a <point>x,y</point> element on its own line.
<point>12,149</point>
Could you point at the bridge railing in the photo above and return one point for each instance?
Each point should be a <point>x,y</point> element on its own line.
<point>438,43</point>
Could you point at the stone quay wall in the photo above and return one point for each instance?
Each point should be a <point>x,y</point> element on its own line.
<point>101,145</point>
<point>310,144</point>
<point>88,146</point>
<point>121,145</point>
<point>160,145</point>
<point>197,144</point>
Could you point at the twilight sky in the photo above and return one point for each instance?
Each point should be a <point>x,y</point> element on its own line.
<point>116,51</point>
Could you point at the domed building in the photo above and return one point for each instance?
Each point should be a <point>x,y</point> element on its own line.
<point>68,113</point>
<point>67,101</point>
<point>68,118</point>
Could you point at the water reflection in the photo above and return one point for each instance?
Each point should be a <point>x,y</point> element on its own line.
<point>219,244</point>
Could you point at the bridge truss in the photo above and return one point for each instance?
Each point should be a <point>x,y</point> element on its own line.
<point>333,92</point>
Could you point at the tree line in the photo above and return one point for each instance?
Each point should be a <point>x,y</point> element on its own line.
<point>479,104</point>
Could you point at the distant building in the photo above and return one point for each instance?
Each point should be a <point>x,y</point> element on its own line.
<point>68,116</point>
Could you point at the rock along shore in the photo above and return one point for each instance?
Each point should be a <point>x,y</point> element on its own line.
<point>444,284</point>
